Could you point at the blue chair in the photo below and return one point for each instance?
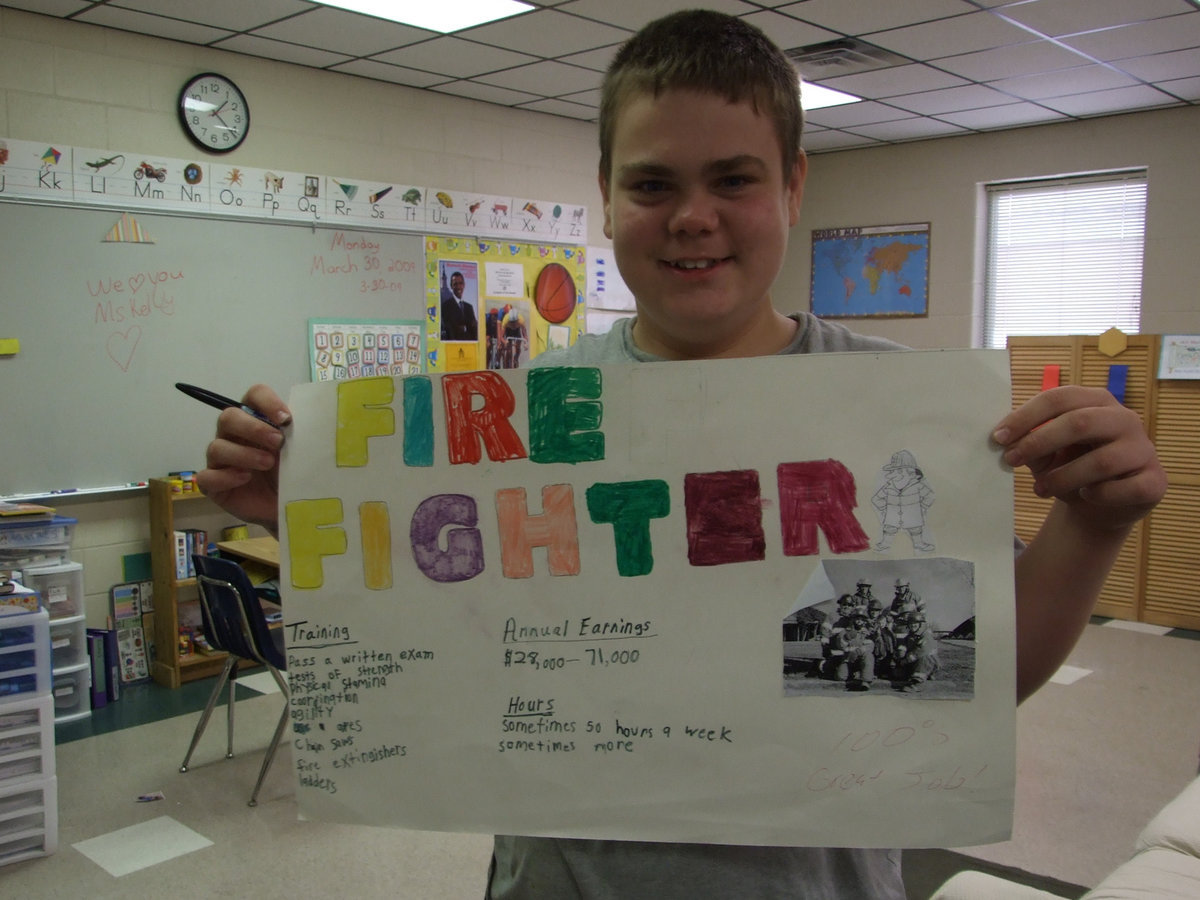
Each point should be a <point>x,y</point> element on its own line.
<point>234,622</point>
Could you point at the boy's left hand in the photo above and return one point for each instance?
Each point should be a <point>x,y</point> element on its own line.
<point>1087,450</point>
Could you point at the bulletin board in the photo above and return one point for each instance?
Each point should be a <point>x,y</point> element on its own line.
<point>525,298</point>
<point>112,309</point>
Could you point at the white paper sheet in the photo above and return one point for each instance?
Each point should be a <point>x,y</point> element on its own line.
<point>623,646</point>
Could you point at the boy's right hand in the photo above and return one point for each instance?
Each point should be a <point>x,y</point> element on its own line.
<point>243,460</point>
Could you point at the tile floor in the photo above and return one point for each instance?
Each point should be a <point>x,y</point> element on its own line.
<point>1100,750</point>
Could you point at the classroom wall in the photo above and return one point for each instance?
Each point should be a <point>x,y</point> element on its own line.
<point>88,86</point>
<point>939,181</point>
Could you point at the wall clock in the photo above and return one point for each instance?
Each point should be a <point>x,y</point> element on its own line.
<point>214,112</point>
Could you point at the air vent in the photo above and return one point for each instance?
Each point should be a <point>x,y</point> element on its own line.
<point>844,56</point>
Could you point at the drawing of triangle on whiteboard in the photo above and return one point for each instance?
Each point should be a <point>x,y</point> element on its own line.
<point>128,230</point>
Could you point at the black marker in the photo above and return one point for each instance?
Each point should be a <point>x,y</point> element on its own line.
<point>219,402</point>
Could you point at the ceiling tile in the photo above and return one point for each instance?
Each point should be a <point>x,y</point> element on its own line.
<point>1120,100</point>
<point>1158,36</point>
<point>633,14</point>
<point>586,98</point>
<point>1062,82</point>
<point>344,32</point>
<point>293,53</point>
<point>971,96</point>
<point>598,60</point>
<point>1163,66</point>
<point>1059,17</point>
<point>907,130</point>
<point>862,16</point>
<point>454,56</point>
<point>855,114</point>
<point>172,29</point>
<point>369,68</point>
<point>484,92</point>
<point>789,33</point>
<point>549,77</point>
<point>1183,88</point>
<point>974,31</point>
<point>552,58</point>
<point>835,140</point>
<point>50,7</point>
<point>1007,62</point>
<point>235,15</point>
<point>561,108</point>
<point>1009,116</point>
<point>893,82</point>
<point>547,33</point>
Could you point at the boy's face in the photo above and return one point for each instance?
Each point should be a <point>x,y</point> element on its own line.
<point>698,210</point>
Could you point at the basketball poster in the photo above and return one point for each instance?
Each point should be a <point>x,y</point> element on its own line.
<point>527,299</point>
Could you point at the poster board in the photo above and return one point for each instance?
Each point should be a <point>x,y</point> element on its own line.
<point>575,602</point>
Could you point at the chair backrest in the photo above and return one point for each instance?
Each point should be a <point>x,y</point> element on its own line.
<point>233,616</point>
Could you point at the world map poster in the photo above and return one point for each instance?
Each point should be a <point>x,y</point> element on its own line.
<point>878,270</point>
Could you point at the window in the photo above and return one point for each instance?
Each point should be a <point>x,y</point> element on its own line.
<point>1064,256</point>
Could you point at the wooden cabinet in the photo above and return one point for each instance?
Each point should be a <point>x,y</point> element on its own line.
<point>168,513</point>
<point>1154,577</point>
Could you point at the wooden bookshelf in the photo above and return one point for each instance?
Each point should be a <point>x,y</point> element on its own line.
<point>166,509</point>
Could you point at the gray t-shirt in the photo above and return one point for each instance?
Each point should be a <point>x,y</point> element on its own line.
<point>531,868</point>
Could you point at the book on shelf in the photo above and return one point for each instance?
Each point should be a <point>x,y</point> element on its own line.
<point>187,542</point>
<point>25,512</point>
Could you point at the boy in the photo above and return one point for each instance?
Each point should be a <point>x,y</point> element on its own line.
<point>701,175</point>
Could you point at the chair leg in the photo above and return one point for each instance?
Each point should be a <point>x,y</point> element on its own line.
<point>229,713</point>
<point>279,728</point>
<point>212,701</point>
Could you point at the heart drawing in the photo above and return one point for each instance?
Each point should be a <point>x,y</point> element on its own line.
<point>121,345</point>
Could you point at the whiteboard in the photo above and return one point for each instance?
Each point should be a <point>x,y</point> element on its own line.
<point>106,328</point>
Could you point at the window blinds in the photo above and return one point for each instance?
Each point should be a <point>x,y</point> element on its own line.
<point>1064,256</point>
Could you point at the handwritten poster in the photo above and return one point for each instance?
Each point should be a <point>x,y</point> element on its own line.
<point>692,601</point>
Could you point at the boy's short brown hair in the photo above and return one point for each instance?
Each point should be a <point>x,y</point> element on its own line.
<point>708,51</point>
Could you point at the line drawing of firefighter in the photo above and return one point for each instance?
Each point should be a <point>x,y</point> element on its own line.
<point>916,653</point>
<point>902,502</point>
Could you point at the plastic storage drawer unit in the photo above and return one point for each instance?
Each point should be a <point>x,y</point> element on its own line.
<point>28,820</point>
<point>61,587</point>
<point>24,654</point>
